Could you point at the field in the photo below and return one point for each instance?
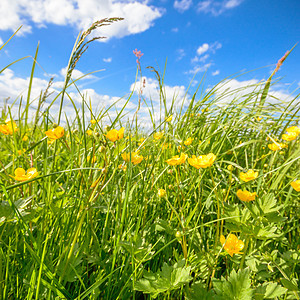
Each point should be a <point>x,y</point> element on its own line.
<point>205,205</point>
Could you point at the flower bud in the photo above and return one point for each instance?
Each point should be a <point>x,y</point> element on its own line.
<point>178,234</point>
<point>55,125</point>
<point>230,167</point>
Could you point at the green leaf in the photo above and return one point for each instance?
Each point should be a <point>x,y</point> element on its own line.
<point>289,285</point>
<point>168,279</point>
<point>269,290</point>
<point>198,291</point>
<point>237,287</point>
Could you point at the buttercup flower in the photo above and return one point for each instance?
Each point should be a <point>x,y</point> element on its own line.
<point>289,136</point>
<point>188,141</point>
<point>25,138</point>
<point>277,146</point>
<point>158,135</point>
<point>161,193</point>
<point>21,175</point>
<point>89,132</point>
<point>169,119</point>
<point>135,157</point>
<point>232,245</point>
<point>250,175</point>
<point>56,133</point>
<point>246,195</point>
<point>9,127</point>
<point>115,135</point>
<point>296,185</point>
<point>122,167</point>
<point>93,121</point>
<point>176,160</point>
<point>202,161</point>
<point>295,129</point>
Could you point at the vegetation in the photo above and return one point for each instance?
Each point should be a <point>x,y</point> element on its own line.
<point>204,206</point>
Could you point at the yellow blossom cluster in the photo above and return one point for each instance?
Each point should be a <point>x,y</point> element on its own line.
<point>8,128</point>
<point>292,133</point>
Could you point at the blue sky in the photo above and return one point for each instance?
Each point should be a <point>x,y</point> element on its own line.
<point>217,37</point>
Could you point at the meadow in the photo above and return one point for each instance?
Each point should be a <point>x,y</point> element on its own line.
<point>205,205</point>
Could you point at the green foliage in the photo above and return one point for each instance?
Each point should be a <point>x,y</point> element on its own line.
<point>92,226</point>
<point>168,279</point>
<point>236,287</point>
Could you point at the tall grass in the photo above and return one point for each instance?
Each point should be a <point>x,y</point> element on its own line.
<point>92,226</point>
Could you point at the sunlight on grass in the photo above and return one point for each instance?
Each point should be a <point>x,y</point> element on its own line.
<point>204,205</point>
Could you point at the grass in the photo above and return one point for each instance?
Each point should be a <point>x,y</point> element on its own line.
<point>92,226</point>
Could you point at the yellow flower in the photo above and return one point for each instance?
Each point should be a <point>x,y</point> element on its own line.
<point>9,127</point>
<point>246,195</point>
<point>93,160</point>
<point>158,135</point>
<point>89,132</point>
<point>277,146</point>
<point>55,133</point>
<point>166,146</point>
<point>258,119</point>
<point>289,136</point>
<point>93,121</point>
<point>295,129</point>
<point>296,185</point>
<point>20,152</point>
<point>202,161</point>
<point>123,167</point>
<point>176,160</point>
<point>21,175</point>
<point>25,138</point>
<point>250,175</point>
<point>188,141</point>
<point>232,245</point>
<point>180,148</point>
<point>161,193</point>
<point>141,140</point>
<point>169,119</point>
<point>135,157</point>
<point>115,135</point>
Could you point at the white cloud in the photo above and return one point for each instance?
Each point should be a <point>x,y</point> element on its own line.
<point>1,42</point>
<point>180,54</point>
<point>182,5</point>
<point>176,95</point>
<point>200,58</point>
<point>14,87</point>
<point>175,29</point>
<point>107,60</point>
<point>236,90</point>
<point>208,47</point>
<point>216,7</point>
<point>138,16</point>
<point>232,3</point>
<point>75,74</point>
<point>202,49</point>
<point>199,69</point>
<point>217,72</point>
